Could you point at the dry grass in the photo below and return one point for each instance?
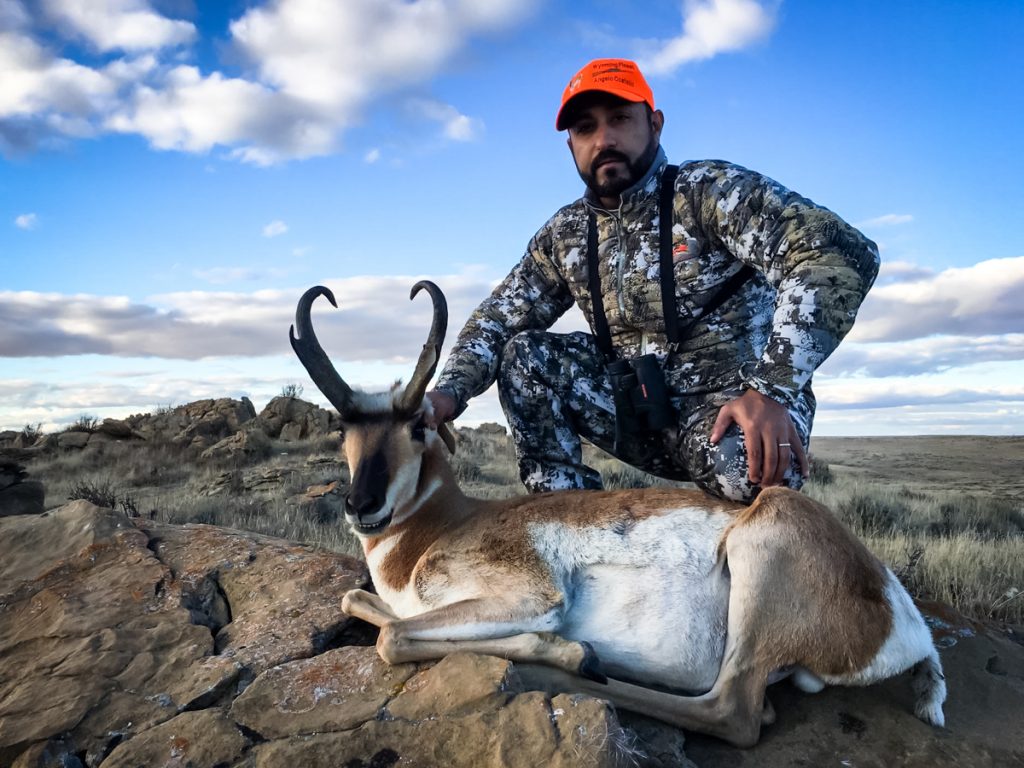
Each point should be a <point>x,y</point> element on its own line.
<point>966,549</point>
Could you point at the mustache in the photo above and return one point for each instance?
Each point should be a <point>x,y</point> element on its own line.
<point>606,155</point>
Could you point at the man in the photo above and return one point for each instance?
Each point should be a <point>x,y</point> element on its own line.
<point>764,283</point>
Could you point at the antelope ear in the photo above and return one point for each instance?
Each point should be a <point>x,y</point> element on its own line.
<point>446,434</point>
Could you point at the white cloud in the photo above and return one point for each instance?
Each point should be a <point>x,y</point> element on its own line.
<point>37,84</point>
<point>982,299</point>
<point>923,355</point>
<point>339,54</point>
<point>895,383</point>
<point>195,325</point>
<point>711,27</point>
<point>13,15</point>
<point>454,125</point>
<point>26,221</point>
<point>372,156</point>
<point>193,112</point>
<point>314,69</point>
<point>898,393</point>
<point>130,25</point>
<point>275,228</point>
<point>902,272</point>
<point>887,220</point>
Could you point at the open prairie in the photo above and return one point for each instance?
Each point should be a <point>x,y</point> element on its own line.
<point>969,464</point>
<point>945,513</point>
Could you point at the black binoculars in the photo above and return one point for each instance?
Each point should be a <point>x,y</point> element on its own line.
<point>641,399</point>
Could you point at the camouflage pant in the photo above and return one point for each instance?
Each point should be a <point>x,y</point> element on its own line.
<point>554,389</point>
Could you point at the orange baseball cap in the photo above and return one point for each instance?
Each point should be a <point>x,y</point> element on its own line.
<point>619,77</point>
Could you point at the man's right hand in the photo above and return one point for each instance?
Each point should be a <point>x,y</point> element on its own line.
<point>444,406</point>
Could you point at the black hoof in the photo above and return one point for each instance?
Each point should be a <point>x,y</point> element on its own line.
<point>590,667</point>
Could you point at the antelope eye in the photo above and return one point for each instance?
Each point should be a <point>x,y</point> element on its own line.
<point>419,430</point>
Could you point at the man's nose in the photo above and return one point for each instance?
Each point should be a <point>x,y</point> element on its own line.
<point>604,136</point>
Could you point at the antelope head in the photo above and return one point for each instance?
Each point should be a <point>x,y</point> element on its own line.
<point>386,436</point>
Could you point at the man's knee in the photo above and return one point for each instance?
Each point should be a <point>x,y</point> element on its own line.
<point>723,470</point>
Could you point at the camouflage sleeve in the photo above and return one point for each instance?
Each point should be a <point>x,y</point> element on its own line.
<point>820,266</point>
<point>533,296</point>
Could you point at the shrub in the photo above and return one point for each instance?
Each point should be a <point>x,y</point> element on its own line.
<point>873,515</point>
<point>821,472</point>
<point>84,423</point>
<point>32,432</point>
<point>466,469</point>
<point>329,443</point>
<point>103,493</point>
<point>985,517</point>
<point>291,390</point>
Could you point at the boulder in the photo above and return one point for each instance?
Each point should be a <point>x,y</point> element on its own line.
<point>110,627</point>
<point>199,424</point>
<point>321,503</point>
<point>347,707</point>
<point>18,494</point>
<point>207,737</point>
<point>73,440</point>
<point>118,429</point>
<point>11,472</point>
<point>290,418</point>
<point>25,498</point>
<point>246,443</point>
<point>492,428</point>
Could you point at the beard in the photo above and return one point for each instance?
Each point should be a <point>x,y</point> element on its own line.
<point>618,182</point>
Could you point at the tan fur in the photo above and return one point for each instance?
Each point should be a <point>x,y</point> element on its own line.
<point>806,544</point>
<point>804,591</point>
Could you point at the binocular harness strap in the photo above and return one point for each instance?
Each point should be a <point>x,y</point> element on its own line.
<point>667,274</point>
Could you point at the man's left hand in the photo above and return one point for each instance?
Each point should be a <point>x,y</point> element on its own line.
<point>768,433</point>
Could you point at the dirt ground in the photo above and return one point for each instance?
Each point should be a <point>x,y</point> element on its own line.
<point>970,464</point>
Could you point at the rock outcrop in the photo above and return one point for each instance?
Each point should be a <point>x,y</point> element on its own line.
<point>18,494</point>
<point>200,425</point>
<point>246,444</point>
<point>125,642</point>
<point>197,425</point>
<point>290,418</point>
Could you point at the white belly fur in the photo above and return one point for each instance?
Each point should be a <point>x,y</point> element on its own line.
<point>650,600</point>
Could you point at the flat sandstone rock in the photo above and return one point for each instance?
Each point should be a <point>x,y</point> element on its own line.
<point>127,642</point>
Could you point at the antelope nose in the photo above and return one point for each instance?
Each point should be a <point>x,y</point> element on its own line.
<point>362,505</point>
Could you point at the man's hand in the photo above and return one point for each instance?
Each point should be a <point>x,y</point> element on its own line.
<point>444,406</point>
<point>768,433</point>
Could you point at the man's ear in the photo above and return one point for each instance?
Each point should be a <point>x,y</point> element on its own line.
<point>657,122</point>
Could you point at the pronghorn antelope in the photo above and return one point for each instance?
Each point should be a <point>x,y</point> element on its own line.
<point>658,587</point>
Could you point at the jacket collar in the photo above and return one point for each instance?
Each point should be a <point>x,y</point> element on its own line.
<point>645,187</point>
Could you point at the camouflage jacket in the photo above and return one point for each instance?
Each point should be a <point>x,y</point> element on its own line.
<point>812,271</point>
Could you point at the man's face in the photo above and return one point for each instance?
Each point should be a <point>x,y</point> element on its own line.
<point>613,143</point>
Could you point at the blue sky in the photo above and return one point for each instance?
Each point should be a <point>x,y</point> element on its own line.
<point>174,173</point>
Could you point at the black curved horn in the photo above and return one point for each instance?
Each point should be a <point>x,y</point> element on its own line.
<point>412,398</point>
<point>312,355</point>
